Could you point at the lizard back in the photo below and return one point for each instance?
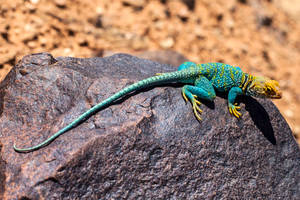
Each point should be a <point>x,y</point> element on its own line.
<point>222,76</point>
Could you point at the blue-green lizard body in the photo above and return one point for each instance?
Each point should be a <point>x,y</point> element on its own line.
<point>202,80</point>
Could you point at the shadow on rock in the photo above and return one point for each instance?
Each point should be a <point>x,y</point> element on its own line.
<point>260,117</point>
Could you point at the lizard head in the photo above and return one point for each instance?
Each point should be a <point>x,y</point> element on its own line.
<point>264,88</point>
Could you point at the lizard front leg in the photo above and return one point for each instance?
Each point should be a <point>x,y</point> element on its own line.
<point>232,106</point>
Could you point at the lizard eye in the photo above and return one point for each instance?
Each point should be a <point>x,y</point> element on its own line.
<point>269,91</point>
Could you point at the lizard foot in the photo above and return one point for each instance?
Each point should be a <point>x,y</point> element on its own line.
<point>233,109</point>
<point>196,107</point>
<point>195,103</point>
<point>184,96</point>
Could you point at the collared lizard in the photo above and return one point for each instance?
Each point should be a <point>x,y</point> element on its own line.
<point>202,80</point>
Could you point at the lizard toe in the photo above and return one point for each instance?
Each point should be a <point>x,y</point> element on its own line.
<point>197,110</point>
<point>233,110</point>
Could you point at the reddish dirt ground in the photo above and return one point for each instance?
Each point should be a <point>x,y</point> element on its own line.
<point>261,36</point>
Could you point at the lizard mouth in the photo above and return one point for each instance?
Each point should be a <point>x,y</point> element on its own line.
<point>278,95</point>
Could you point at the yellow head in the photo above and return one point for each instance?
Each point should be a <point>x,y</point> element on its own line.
<point>264,88</point>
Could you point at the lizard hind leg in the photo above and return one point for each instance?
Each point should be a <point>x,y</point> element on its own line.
<point>192,93</point>
<point>203,89</point>
<point>188,96</point>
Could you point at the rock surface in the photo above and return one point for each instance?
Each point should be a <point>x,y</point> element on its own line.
<point>260,35</point>
<point>146,146</point>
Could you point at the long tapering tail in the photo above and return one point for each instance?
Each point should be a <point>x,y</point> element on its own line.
<point>176,76</point>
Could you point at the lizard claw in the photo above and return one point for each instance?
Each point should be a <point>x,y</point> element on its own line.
<point>184,96</point>
<point>196,101</point>
<point>237,107</point>
<point>233,109</point>
<point>196,109</point>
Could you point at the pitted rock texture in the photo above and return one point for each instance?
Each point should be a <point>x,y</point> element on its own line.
<point>262,36</point>
<point>147,145</point>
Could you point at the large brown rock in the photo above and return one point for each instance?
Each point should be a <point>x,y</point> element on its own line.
<point>147,145</point>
